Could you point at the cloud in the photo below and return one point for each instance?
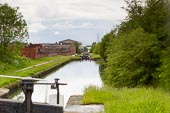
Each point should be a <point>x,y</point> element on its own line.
<point>73,25</point>
<point>57,33</point>
<point>43,10</point>
<point>76,19</point>
<point>36,27</point>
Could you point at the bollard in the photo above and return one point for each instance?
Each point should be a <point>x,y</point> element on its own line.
<point>27,87</point>
<point>56,86</point>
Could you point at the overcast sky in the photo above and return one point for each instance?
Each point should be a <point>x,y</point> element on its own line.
<point>50,21</point>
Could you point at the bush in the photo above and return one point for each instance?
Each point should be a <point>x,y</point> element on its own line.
<point>132,59</point>
<point>164,70</point>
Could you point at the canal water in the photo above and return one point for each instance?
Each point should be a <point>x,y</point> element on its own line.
<point>78,75</point>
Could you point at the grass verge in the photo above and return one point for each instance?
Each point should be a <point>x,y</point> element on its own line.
<point>95,56</point>
<point>135,100</point>
<point>36,66</point>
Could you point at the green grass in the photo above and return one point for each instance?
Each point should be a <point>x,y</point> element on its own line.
<point>11,69</point>
<point>95,56</point>
<point>56,60</point>
<point>135,100</point>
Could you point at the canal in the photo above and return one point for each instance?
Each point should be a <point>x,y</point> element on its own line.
<point>78,75</point>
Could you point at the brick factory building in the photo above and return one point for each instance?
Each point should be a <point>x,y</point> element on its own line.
<point>34,51</point>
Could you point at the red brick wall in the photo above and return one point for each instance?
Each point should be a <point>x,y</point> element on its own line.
<point>29,52</point>
<point>34,51</point>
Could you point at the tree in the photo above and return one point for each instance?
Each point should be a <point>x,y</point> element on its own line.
<point>134,18</point>
<point>86,49</point>
<point>97,48</point>
<point>152,17</point>
<point>133,59</point>
<point>77,45</point>
<point>105,43</point>
<point>13,31</point>
<point>93,46</point>
<point>164,69</point>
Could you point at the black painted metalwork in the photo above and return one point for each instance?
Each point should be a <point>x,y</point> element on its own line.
<point>54,86</point>
<point>28,88</point>
<point>11,106</point>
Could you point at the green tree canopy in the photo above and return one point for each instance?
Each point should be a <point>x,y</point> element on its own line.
<point>93,46</point>
<point>97,48</point>
<point>105,43</point>
<point>151,15</point>
<point>139,52</point>
<point>77,45</point>
<point>133,59</point>
<point>13,31</point>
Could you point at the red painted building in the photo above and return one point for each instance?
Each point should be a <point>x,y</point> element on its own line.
<point>34,51</point>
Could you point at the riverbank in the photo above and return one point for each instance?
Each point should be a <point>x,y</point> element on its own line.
<point>34,70</point>
<point>37,68</point>
<point>128,100</point>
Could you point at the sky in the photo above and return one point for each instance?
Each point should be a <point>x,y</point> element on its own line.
<point>87,21</point>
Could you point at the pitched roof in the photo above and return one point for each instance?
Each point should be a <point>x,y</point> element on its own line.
<point>69,40</point>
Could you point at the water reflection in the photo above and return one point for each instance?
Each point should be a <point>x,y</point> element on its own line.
<point>78,76</point>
